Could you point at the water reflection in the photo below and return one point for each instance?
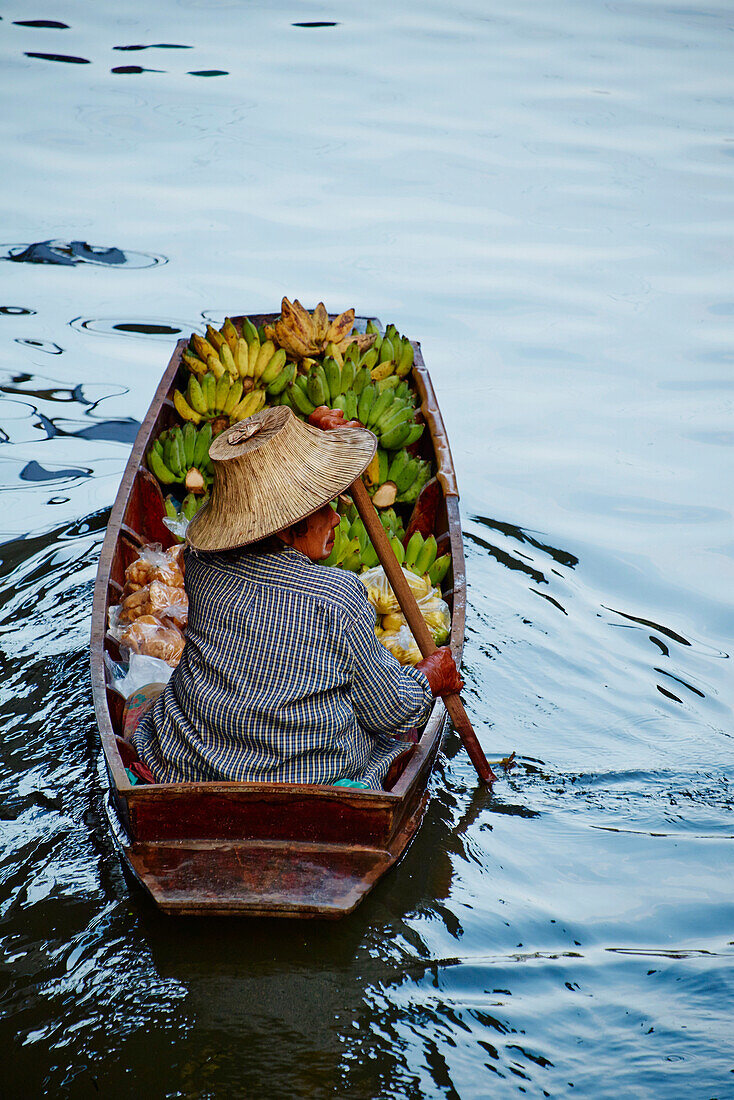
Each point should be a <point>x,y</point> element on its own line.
<point>78,252</point>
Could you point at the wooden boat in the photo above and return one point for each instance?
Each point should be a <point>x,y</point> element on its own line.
<point>261,849</point>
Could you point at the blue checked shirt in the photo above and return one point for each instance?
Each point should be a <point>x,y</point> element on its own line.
<point>281,679</point>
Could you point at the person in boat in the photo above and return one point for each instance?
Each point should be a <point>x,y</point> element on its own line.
<point>282,677</point>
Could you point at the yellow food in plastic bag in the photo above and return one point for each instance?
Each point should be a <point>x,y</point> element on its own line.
<point>381,595</point>
<point>403,646</point>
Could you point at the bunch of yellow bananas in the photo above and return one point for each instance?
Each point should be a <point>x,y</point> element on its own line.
<point>231,373</point>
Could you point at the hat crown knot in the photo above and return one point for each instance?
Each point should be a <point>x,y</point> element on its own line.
<point>239,435</point>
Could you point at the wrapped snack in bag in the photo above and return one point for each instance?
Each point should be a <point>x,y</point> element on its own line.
<point>162,600</point>
<point>381,595</point>
<point>155,564</point>
<point>150,636</point>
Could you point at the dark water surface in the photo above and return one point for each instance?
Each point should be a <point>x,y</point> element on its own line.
<point>543,195</point>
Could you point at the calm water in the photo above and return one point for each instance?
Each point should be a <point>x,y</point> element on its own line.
<point>543,195</point>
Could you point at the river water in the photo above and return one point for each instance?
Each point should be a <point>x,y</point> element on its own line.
<point>542,194</point>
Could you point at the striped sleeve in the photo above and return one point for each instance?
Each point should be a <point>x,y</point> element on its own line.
<point>387,697</point>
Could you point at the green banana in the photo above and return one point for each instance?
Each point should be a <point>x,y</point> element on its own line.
<point>413,548</point>
<point>398,549</point>
<point>170,506</point>
<point>158,467</point>
<point>407,475</point>
<point>386,351</point>
<point>412,493</point>
<point>249,331</point>
<point>371,327</point>
<point>189,439</point>
<point>369,557</point>
<point>348,372</point>
<point>300,400</point>
<point>426,556</point>
<point>416,431</point>
<point>389,383</point>
<point>370,358</point>
<point>365,403</point>
<point>282,380</point>
<point>361,380</point>
<point>379,407</point>
<point>405,359</point>
<point>396,438</point>
<point>190,506</point>
<point>350,405</point>
<point>399,460</point>
<point>439,569</point>
<point>317,387</point>
<point>333,377</point>
<point>274,367</point>
<point>201,447</point>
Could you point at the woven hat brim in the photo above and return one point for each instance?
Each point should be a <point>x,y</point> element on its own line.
<point>287,486</point>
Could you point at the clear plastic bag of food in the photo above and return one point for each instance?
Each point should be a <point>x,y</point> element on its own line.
<point>402,645</point>
<point>165,601</point>
<point>155,564</point>
<point>435,611</point>
<point>381,595</point>
<point>150,636</point>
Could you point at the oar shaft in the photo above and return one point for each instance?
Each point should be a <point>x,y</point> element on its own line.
<point>416,622</point>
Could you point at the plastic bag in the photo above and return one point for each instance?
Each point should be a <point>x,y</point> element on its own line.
<point>381,595</point>
<point>155,564</point>
<point>435,611</point>
<point>141,671</point>
<point>402,645</point>
<point>165,601</point>
<point>153,638</point>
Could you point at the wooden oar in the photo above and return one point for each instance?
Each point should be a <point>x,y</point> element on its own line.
<point>417,623</point>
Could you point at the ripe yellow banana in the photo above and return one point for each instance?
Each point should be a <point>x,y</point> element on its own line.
<point>184,409</point>
<point>248,405</point>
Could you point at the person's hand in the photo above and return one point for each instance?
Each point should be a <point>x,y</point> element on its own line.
<point>327,419</point>
<point>441,672</point>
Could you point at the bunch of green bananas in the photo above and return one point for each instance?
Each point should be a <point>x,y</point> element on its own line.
<point>181,456</point>
<point>226,369</point>
<point>397,477</point>
<point>394,354</point>
<point>388,411</point>
<point>352,547</point>
<point>420,558</point>
<point>186,510</point>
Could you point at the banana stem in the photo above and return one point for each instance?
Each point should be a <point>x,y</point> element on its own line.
<point>417,623</point>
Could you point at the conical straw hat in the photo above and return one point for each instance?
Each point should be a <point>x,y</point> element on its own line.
<point>272,470</point>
